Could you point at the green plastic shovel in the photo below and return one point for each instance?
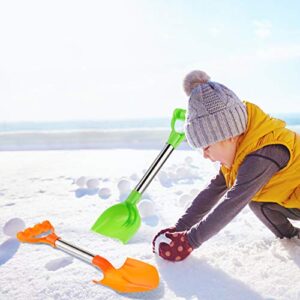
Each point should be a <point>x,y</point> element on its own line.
<point>122,221</point>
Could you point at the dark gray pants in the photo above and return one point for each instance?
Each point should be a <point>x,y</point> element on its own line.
<point>275,217</point>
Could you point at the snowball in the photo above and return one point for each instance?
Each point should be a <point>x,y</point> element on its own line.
<point>164,179</point>
<point>185,199</point>
<point>124,186</point>
<point>104,193</point>
<point>81,181</point>
<point>92,183</point>
<point>13,226</point>
<point>92,192</point>
<point>146,208</point>
<point>161,239</point>
<point>146,195</point>
<point>188,160</point>
<point>134,177</point>
<point>162,175</point>
<point>80,192</point>
<point>172,176</point>
<point>194,192</point>
<point>182,173</point>
<point>178,192</point>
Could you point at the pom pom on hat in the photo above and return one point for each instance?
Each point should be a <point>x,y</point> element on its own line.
<point>193,79</point>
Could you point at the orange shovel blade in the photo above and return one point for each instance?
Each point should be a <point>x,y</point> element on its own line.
<point>133,276</point>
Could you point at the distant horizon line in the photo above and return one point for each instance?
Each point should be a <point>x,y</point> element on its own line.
<point>278,115</point>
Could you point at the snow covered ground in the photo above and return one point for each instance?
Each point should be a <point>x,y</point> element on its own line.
<point>72,188</point>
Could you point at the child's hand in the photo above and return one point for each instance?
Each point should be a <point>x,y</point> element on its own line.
<point>176,250</point>
<point>169,229</point>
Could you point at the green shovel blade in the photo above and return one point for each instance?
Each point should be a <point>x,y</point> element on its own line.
<point>121,221</point>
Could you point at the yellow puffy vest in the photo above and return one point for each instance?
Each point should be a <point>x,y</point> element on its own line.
<point>262,130</point>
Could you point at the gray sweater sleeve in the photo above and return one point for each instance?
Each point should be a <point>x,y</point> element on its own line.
<point>256,170</point>
<point>203,203</point>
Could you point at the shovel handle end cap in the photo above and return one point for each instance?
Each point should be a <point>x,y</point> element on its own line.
<point>33,234</point>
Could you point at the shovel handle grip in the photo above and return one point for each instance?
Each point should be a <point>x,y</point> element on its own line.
<point>175,137</point>
<point>178,114</point>
<point>31,234</point>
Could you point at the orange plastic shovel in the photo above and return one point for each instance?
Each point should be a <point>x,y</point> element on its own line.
<point>133,276</point>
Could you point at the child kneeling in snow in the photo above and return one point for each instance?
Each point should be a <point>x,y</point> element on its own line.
<point>260,166</point>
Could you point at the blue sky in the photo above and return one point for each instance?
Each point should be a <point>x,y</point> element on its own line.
<point>66,60</point>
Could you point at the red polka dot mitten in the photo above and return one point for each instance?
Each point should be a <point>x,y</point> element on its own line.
<point>178,249</point>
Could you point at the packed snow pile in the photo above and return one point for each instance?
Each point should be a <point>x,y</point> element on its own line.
<point>72,188</point>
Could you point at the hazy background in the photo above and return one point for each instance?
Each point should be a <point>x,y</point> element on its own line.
<point>95,60</point>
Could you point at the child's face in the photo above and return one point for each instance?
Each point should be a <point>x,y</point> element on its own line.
<point>223,151</point>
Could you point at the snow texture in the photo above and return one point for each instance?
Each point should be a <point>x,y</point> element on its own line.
<point>72,188</point>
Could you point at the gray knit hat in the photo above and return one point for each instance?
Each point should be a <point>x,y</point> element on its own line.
<point>214,113</point>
